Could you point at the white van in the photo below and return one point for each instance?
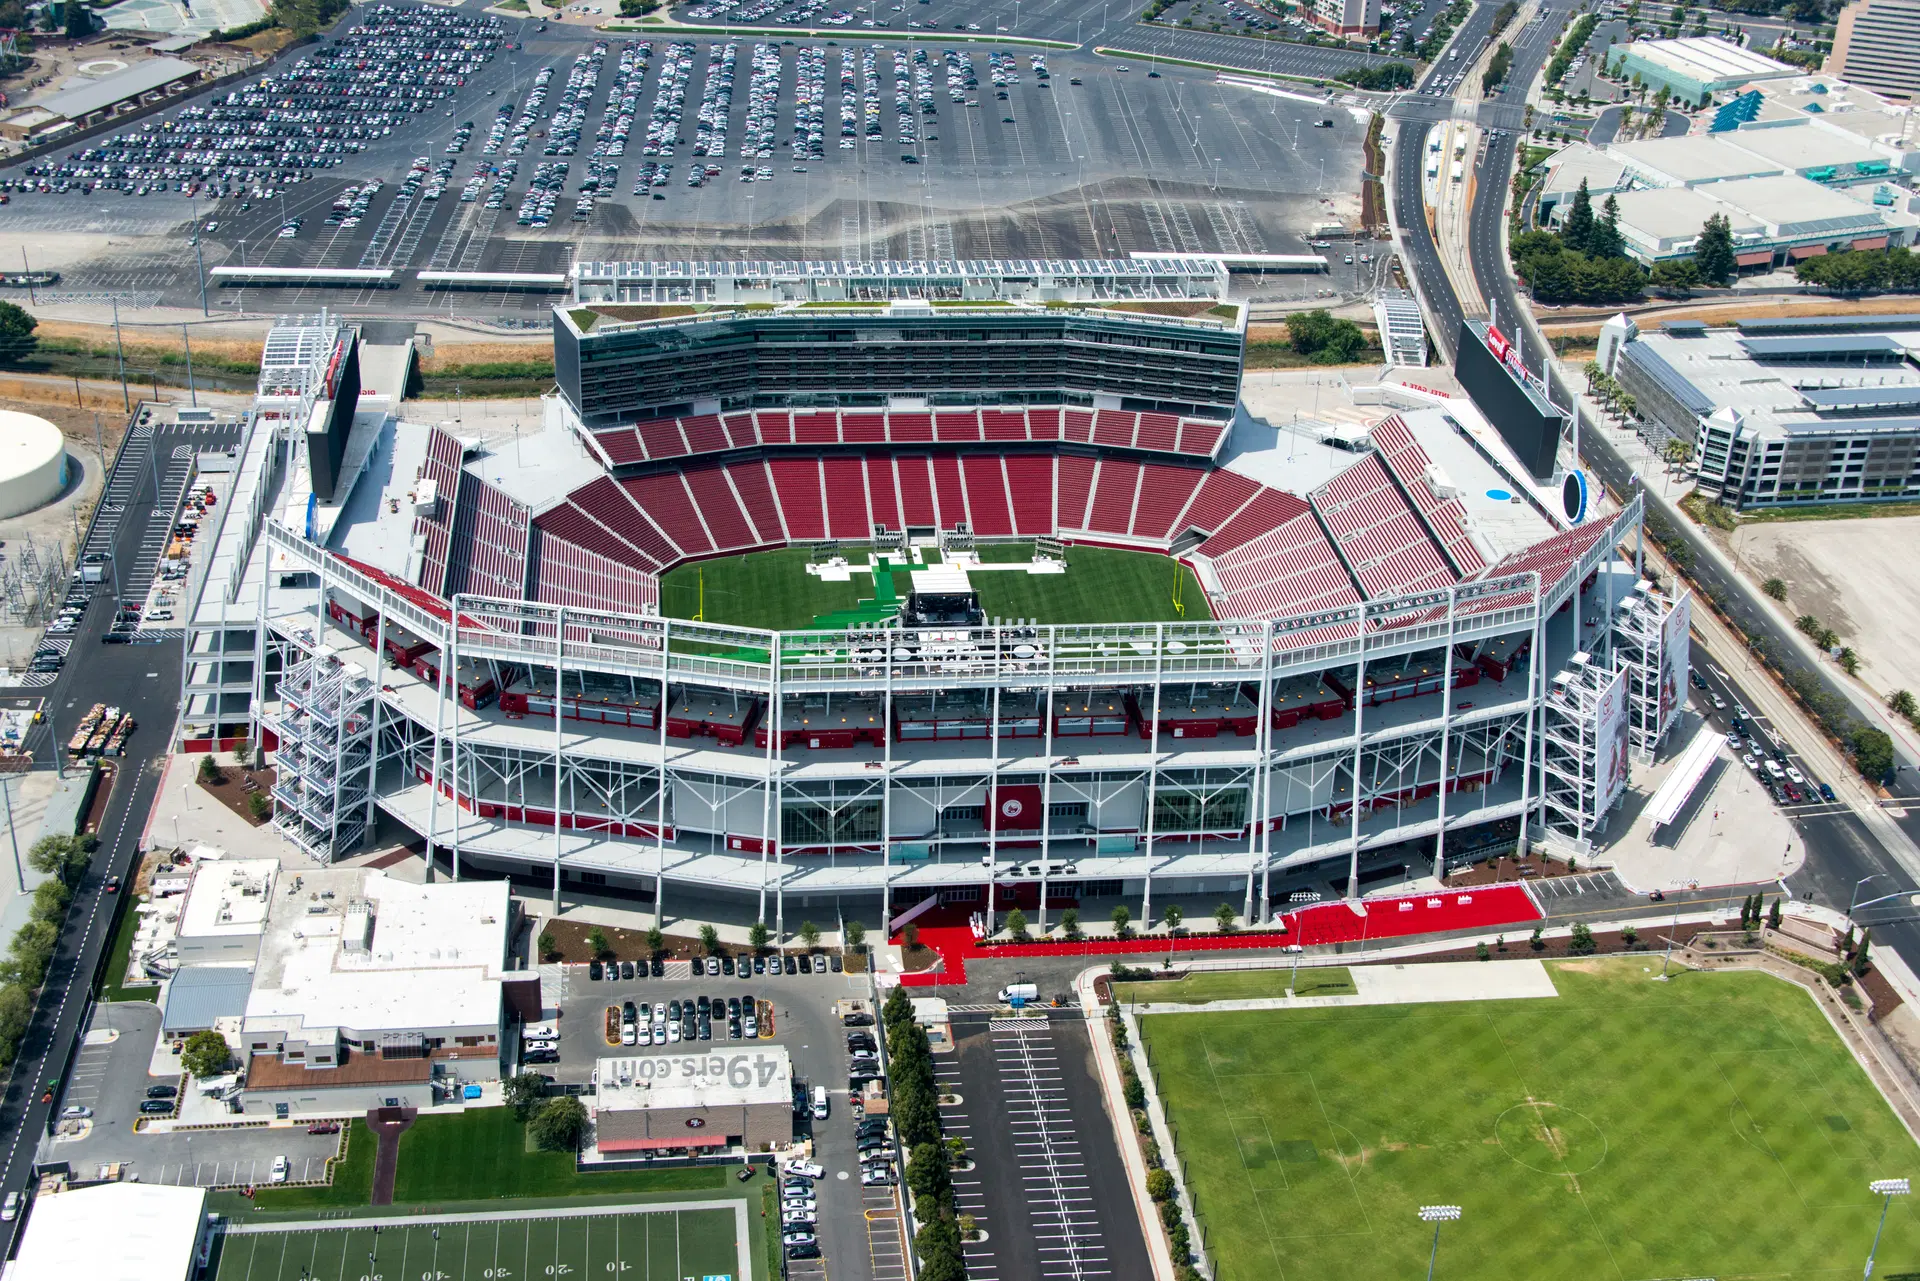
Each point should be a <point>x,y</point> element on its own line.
<point>820,1107</point>
<point>1024,991</point>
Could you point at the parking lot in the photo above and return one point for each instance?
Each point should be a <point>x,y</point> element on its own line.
<point>110,1076</point>
<point>552,143</point>
<point>1047,1185</point>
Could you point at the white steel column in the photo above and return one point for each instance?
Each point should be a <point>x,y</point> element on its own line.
<point>559,701</point>
<point>1446,726</point>
<point>993,782</point>
<point>379,657</point>
<point>1046,777</point>
<point>433,773</point>
<point>774,701</point>
<point>1534,660</point>
<point>1267,636</point>
<point>766,791</point>
<point>453,734</point>
<point>1153,770</point>
<point>886,791</point>
<point>660,820</point>
<point>1256,799</point>
<point>1359,718</point>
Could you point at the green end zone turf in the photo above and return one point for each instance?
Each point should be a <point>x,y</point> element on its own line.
<point>1712,1126</point>
<point>773,590</point>
<point>631,1245</point>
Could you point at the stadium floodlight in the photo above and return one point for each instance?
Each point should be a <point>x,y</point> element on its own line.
<point>1436,1215</point>
<point>1886,1190</point>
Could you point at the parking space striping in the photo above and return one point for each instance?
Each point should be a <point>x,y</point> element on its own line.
<point>1058,1193</point>
<point>886,1247</point>
<point>1591,883</point>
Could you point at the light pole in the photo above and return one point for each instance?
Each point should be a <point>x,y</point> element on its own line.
<point>1886,1190</point>
<point>1854,901</point>
<point>1438,1214</point>
<point>1293,978</point>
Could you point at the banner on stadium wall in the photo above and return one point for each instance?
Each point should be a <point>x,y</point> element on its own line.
<point>1016,807</point>
<point>1676,643</point>
<point>1610,743</point>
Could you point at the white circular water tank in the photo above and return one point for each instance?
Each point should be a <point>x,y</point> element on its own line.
<point>33,462</point>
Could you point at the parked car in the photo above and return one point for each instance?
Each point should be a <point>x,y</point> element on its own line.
<point>155,1107</point>
<point>803,1249</point>
<point>75,1112</point>
<point>279,1172</point>
<point>324,1127</point>
<point>593,971</point>
<point>162,1091</point>
<point>540,1056</point>
<point>799,1236</point>
<point>803,1170</point>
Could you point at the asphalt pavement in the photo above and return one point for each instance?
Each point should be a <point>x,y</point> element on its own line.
<point>144,680</point>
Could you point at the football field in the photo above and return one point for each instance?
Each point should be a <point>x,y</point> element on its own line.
<point>631,1242</point>
<point>1711,1126</point>
<point>773,589</point>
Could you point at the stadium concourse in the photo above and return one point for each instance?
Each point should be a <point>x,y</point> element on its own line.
<point>1360,921</point>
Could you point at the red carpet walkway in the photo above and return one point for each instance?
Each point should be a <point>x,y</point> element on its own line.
<point>1483,907</point>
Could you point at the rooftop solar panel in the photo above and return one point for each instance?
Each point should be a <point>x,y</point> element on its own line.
<point>1842,346</point>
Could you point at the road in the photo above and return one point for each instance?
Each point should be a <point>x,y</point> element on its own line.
<point>145,680</point>
<point>1840,849</point>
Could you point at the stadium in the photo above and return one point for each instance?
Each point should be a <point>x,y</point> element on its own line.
<point>971,583</point>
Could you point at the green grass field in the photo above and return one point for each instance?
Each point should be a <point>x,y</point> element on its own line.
<point>773,589</point>
<point>1237,985</point>
<point>633,1243</point>
<point>476,1156</point>
<point>1713,1126</point>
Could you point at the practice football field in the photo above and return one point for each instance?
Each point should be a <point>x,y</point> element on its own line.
<point>1711,1126</point>
<point>636,1245</point>
<point>773,590</point>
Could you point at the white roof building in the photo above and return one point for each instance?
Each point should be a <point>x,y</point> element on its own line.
<point>114,1232</point>
<point>225,910</point>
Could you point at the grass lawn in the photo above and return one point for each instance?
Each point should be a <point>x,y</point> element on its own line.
<point>1710,1126</point>
<point>1238,985</point>
<point>119,952</point>
<point>761,589</point>
<point>476,1156</point>
<point>772,589</point>
<point>1101,585</point>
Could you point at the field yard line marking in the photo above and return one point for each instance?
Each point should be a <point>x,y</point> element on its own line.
<point>492,1216</point>
<point>282,1270</point>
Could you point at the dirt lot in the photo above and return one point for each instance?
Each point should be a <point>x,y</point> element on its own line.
<point>1856,576</point>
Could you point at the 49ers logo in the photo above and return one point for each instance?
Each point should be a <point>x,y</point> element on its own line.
<point>1011,808</point>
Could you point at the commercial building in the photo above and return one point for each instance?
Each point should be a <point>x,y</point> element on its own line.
<point>731,1098</point>
<point>466,637</point>
<point>1782,412</point>
<point>1694,68</point>
<point>356,988</point>
<point>1877,43</point>
<point>1788,191</point>
<point>1347,17</point>
<point>114,1232</point>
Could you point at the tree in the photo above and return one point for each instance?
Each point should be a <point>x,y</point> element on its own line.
<point>209,771</point>
<point>1577,227</point>
<point>656,941</point>
<point>1172,915</point>
<point>1773,915</point>
<point>1481,953</point>
<point>809,933</point>
<point>1159,1184</point>
<point>710,939</point>
<point>206,1054</point>
<point>50,899</point>
<point>1676,275</point>
<point>30,953</point>
<point>1628,935</point>
<point>757,936</point>
<point>559,1124</point>
<point>967,1225</point>
<point>897,1008</point>
<point>1537,942</point>
<point>63,856</point>
<point>1223,918</point>
<point>1070,924</point>
<point>910,937</point>
<point>853,935</point>
<point>79,20</point>
<point>597,943</point>
<point>1860,953</point>
<point>1604,240</point>
<point>1017,925</point>
<point>1581,942</point>
<point>16,1011</point>
<point>523,1091</point>
<point>927,1171</point>
<point>1713,250</point>
<point>549,946</point>
<point>259,806</point>
<point>1872,752</point>
<point>1120,918</point>
<point>1777,588</point>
